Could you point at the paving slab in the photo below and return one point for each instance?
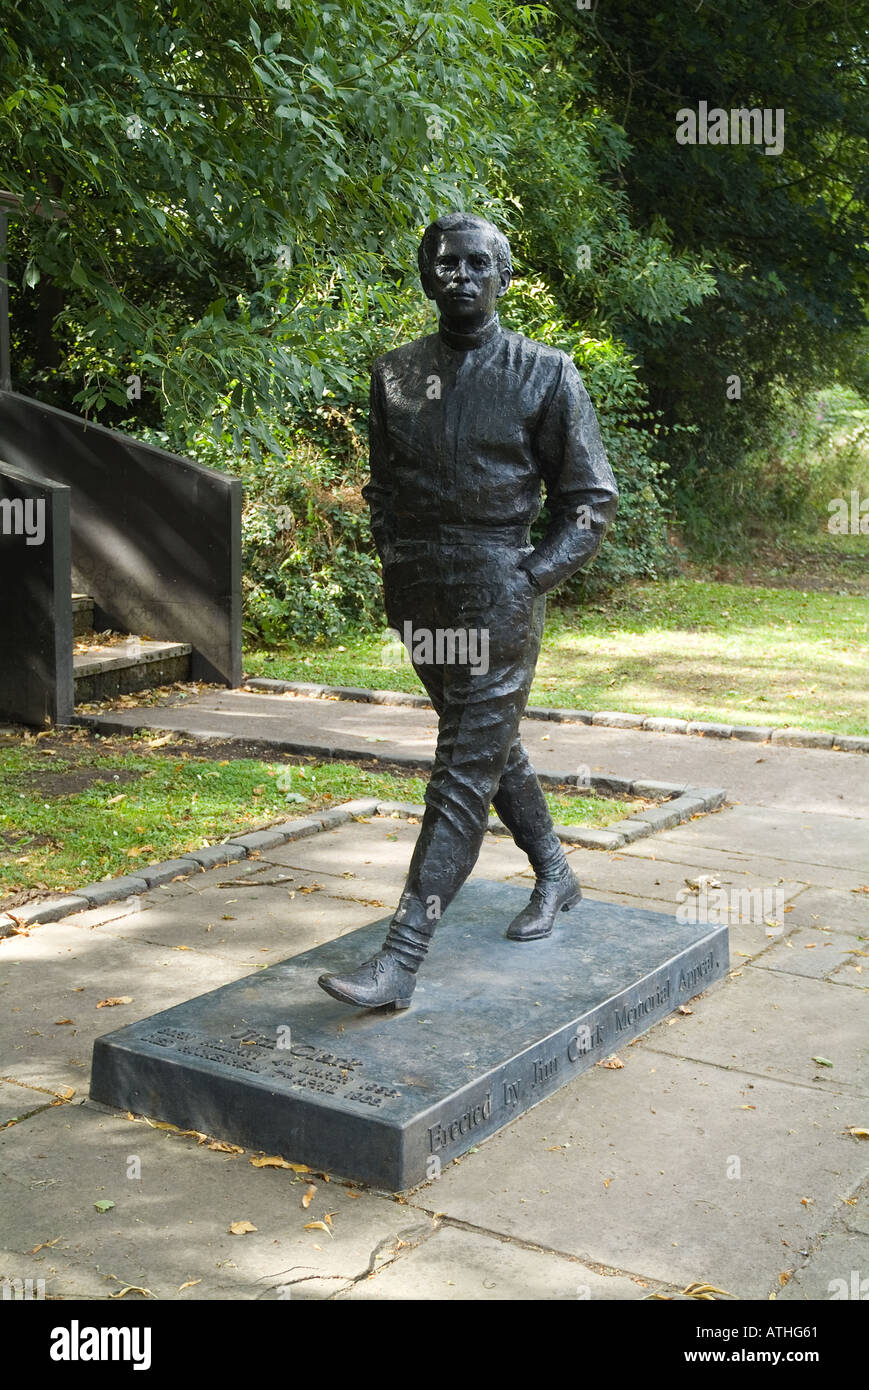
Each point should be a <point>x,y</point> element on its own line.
<point>63,1278</point>
<point>171,1224</point>
<point>748,1043</point>
<point>838,909</point>
<point>370,858</point>
<point>668,1167</point>
<point>658,875</point>
<point>748,940</point>
<point>852,973</point>
<point>819,955</point>
<point>49,1275</point>
<point>672,846</point>
<point>459,1265</point>
<point>856,1217</point>
<point>837,1271</point>
<point>773,1025</point>
<point>828,781</point>
<point>796,836</point>
<point>375,852</point>
<point>263,917</point>
<point>16,1101</point>
<point>63,972</point>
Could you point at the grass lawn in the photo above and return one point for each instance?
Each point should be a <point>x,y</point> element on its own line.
<point>77,809</point>
<point>685,647</point>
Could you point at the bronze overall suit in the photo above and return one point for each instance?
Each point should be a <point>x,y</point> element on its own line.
<point>464,428</point>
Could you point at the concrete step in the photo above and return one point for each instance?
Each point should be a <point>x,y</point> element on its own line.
<point>137,663</point>
<point>82,614</point>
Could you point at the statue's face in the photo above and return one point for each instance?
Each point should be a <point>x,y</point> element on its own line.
<point>465,281</point>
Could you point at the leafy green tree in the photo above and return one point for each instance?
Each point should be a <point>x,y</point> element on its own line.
<point>784,234</point>
<point>230,179</point>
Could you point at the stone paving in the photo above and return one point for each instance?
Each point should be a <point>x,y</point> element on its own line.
<point>721,1152</point>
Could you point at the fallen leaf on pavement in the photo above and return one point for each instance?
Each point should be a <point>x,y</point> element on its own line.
<point>612,1063</point>
<point>308,1196</point>
<point>45,1245</point>
<point>822,1061</point>
<point>318,1226</point>
<point>103,1205</point>
<point>224,1148</point>
<point>275,1161</point>
<point>133,1288</point>
<point>110,1003</point>
<point>240,1228</point>
<point>191,1283</point>
<point>858,1133</point>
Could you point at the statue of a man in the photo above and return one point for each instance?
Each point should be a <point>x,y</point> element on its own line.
<point>465,425</point>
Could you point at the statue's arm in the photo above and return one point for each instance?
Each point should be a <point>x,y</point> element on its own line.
<point>378,491</point>
<point>581,492</point>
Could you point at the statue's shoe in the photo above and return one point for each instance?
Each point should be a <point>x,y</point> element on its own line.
<point>379,982</point>
<point>549,898</point>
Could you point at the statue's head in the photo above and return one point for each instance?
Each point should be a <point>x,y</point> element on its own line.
<point>465,267</point>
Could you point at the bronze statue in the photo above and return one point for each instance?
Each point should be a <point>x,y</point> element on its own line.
<point>465,425</point>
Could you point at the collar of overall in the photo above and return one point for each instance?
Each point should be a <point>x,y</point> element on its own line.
<point>465,341</point>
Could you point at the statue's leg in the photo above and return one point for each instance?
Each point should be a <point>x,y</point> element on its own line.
<point>522,807</point>
<point>481,703</point>
<point>519,800</point>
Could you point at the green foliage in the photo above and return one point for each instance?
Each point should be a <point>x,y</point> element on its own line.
<point>813,448</point>
<point>229,180</point>
<point>236,189</point>
<point>309,568</point>
<point>786,234</point>
<point>636,543</point>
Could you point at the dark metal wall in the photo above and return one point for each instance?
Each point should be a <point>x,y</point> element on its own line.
<point>36,685</point>
<point>156,538</point>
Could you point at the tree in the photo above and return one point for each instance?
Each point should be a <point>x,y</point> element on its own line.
<point>785,234</point>
<point>235,176</point>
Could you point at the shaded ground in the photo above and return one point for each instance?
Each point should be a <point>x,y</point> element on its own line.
<point>722,1151</point>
